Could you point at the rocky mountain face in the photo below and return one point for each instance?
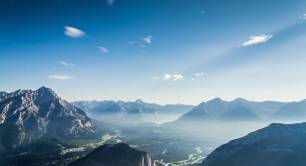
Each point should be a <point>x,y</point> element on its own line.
<point>3,95</point>
<point>115,155</point>
<point>31,115</point>
<point>275,145</point>
<point>137,111</point>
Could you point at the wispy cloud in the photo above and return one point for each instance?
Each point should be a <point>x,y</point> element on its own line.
<point>110,2</point>
<point>304,16</point>
<point>103,50</point>
<point>59,77</point>
<point>64,63</point>
<point>143,42</point>
<point>73,32</point>
<point>148,39</point>
<point>200,74</point>
<point>257,39</point>
<point>174,77</point>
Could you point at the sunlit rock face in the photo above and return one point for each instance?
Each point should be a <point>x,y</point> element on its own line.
<point>115,155</point>
<point>42,113</point>
<point>275,145</point>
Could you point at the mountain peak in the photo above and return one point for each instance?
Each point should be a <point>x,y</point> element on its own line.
<point>139,101</point>
<point>239,99</point>
<point>43,105</point>
<point>216,100</point>
<point>44,91</point>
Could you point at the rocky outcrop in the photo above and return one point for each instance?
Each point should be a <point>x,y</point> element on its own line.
<point>115,155</point>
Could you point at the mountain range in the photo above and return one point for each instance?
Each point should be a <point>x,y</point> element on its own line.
<point>131,112</point>
<point>244,110</point>
<point>40,121</point>
<point>275,145</point>
<point>212,110</point>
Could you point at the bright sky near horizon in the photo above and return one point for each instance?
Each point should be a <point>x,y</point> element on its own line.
<point>163,51</point>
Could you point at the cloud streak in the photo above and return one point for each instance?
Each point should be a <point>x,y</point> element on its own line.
<point>148,39</point>
<point>66,64</point>
<point>201,74</point>
<point>174,77</point>
<point>257,39</point>
<point>59,77</point>
<point>103,50</point>
<point>73,32</point>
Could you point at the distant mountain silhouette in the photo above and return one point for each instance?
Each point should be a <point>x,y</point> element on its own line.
<point>236,110</point>
<point>130,112</point>
<point>275,145</point>
<point>291,111</point>
<point>217,109</point>
<point>115,155</point>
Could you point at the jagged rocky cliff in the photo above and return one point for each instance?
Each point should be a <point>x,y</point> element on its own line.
<point>31,115</point>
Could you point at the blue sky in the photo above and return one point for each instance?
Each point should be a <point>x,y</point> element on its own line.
<point>164,51</point>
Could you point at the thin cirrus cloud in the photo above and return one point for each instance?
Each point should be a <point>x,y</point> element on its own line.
<point>73,32</point>
<point>66,64</point>
<point>174,77</point>
<point>148,39</point>
<point>103,50</point>
<point>143,42</point>
<point>59,77</point>
<point>197,75</point>
<point>200,74</point>
<point>257,40</point>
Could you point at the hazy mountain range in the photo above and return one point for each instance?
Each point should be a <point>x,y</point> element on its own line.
<point>212,110</point>
<point>133,112</point>
<point>244,110</point>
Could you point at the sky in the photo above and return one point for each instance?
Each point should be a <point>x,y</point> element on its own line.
<point>162,51</point>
